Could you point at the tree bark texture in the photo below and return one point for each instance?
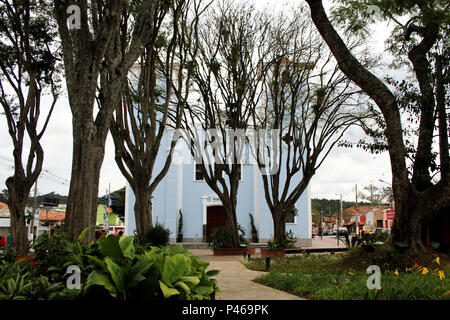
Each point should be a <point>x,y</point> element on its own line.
<point>16,203</point>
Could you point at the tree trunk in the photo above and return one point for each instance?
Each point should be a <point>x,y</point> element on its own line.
<point>279,226</point>
<point>19,239</point>
<point>16,205</point>
<point>142,212</point>
<point>88,153</point>
<point>414,211</point>
<point>232,225</point>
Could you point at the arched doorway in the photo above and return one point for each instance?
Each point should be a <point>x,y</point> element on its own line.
<point>215,217</point>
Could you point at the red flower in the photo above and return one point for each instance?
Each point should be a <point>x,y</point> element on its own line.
<point>28,258</point>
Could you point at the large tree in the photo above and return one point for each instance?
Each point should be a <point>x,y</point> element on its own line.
<point>422,44</point>
<point>146,107</point>
<point>226,76</point>
<point>100,44</point>
<point>309,105</point>
<point>28,68</point>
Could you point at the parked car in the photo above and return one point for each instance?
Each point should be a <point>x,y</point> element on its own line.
<point>343,231</point>
<point>381,230</point>
<point>333,232</point>
<point>313,233</point>
<point>326,232</point>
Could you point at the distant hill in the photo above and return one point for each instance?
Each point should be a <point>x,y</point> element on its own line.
<point>52,195</point>
<point>330,207</point>
<point>118,206</point>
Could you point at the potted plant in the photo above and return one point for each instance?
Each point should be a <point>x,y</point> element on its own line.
<point>254,231</point>
<point>276,249</point>
<point>220,241</point>
<point>180,228</point>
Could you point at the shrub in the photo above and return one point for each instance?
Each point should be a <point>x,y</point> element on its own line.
<point>50,250</point>
<point>157,236</point>
<point>289,241</point>
<point>219,238</point>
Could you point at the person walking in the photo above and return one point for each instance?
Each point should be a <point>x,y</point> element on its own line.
<point>320,233</point>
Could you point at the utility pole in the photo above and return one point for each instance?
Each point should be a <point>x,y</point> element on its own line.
<point>107,206</point>
<point>356,207</point>
<point>34,209</point>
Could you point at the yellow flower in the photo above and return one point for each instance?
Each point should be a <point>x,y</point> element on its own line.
<point>425,271</point>
<point>396,272</point>
<point>437,260</point>
<point>441,275</point>
<point>351,273</point>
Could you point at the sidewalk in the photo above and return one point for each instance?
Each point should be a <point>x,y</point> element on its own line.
<point>326,242</point>
<point>235,280</point>
<point>235,283</point>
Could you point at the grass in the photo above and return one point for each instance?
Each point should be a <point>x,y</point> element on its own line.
<point>344,277</point>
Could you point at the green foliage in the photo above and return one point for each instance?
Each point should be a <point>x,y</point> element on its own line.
<point>351,242</point>
<point>219,238</point>
<point>157,235</point>
<point>50,249</point>
<point>252,223</point>
<point>127,272</point>
<point>111,268</point>
<point>180,223</point>
<point>121,270</point>
<point>351,285</point>
<point>289,241</point>
<point>17,282</point>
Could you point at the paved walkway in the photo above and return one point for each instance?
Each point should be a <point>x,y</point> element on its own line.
<point>235,280</point>
<point>326,242</point>
<point>235,283</point>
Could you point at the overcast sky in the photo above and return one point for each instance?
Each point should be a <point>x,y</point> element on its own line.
<point>340,172</point>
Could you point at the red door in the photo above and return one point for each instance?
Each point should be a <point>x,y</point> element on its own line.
<point>215,217</point>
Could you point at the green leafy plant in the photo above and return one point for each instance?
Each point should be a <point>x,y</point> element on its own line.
<point>352,242</point>
<point>121,270</point>
<point>42,289</point>
<point>157,235</point>
<point>253,228</point>
<point>80,254</point>
<point>180,228</point>
<point>50,250</point>
<point>182,278</point>
<point>14,288</point>
<point>289,241</point>
<point>159,273</point>
<point>219,238</point>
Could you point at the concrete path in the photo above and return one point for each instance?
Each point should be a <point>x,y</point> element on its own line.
<point>235,283</point>
<point>235,280</point>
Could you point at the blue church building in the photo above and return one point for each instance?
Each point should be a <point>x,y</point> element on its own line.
<point>183,188</point>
